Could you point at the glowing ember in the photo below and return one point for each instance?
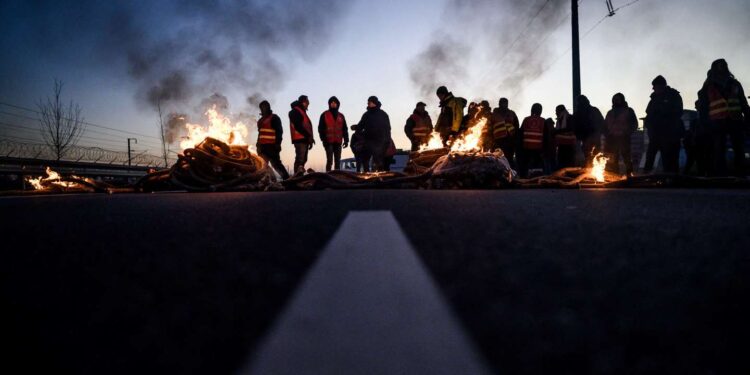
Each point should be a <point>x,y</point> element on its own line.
<point>597,170</point>
<point>52,177</point>
<point>219,127</point>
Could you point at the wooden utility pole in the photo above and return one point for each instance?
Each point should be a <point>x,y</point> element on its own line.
<point>576,54</point>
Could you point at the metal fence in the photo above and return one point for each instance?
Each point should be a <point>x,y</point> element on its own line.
<point>14,149</point>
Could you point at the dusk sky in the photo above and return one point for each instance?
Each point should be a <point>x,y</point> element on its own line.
<point>115,59</point>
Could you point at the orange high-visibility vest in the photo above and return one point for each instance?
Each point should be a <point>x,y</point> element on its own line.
<point>266,133</point>
<point>334,127</point>
<point>533,132</point>
<point>421,127</point>
<point>504,127</point>
<point>720,108</point>
<point>296,136</point>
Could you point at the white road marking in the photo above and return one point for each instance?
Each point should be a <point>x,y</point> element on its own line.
<point>367,306</point>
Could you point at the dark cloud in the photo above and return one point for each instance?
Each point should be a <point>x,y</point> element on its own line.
<point>176,51</point>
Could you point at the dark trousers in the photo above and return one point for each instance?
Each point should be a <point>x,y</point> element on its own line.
<point>615,147</point>
<point>270,153</point>
<point>699,153</point>
<point>333,156</point>
<point>566,156</point>
<point>670,155</point>
<point>509,150</point>
<point>375,154</point>
<point>528,159</point>
<point>733,130</point>
<point>300,156</point>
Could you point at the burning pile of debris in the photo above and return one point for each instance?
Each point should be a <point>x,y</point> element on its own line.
<point>213,165</point>
<point>53,182</point>
<point>214,158</point>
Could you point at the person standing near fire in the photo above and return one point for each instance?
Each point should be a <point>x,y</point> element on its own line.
<point>485,116</point>
<point>302,133</point>
<point>451,115</point>
<point>504,127</point>
<point>269,138</point>
<point>723,106</point>
<point>418,127</point>
<point>565,138</point>
<point>376,131</point>
<point>333,130</point>
<point>664,125</point>
<point>620,122</point>
<point>588,128</point>
<point>532,141</point>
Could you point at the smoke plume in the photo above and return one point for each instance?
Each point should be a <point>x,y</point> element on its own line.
<point>176,51</point>
<point>486,30</point>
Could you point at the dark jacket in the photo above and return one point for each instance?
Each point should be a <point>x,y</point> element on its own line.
<point>358,143</point>
<point>587,122</point>
<point>451,114</point>
<point>410,123</point>
<point>611,121</point>
<point>298,122</point>
<point>664,116</point>
<point>376,126</point>
<point>323,129</point>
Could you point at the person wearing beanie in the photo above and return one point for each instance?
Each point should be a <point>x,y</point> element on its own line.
<point>664,126</point>
<point>269,138</point>
<point>620,124</point>
<point>723,106</point>
<point>302,132</point>
<point>333,131</point>
<point>376,131</point>
<point>418,127</point>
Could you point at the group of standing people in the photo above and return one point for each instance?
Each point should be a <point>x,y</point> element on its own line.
<point>549,144</point>
<point>371,139</point>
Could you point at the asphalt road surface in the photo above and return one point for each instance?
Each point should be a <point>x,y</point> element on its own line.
<point>542,281</point>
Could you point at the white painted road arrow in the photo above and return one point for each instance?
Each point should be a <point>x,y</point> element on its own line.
<point>367,306</point>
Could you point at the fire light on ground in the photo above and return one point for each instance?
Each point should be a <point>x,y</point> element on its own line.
<point>51,178</point>
<point>599,164</point>
<point>219,127</point>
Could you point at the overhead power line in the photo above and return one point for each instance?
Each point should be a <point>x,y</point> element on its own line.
<point>113,137</point>
<point>84,122</point>
<point>515,41</point>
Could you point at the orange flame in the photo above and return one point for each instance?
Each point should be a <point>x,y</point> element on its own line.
<point>219,127</point>
<point>52,177</point>
<point>470,141</point>
<point>597,170</point>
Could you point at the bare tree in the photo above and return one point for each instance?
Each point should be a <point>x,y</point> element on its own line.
<point>61,125</point>
<point>163,135</point>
